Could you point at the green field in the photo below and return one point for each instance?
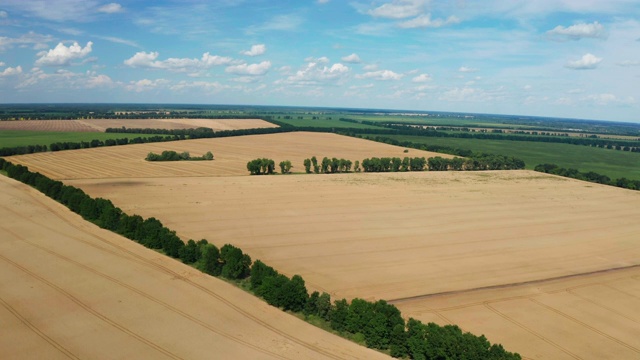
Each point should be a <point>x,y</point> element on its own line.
<point>325,123</point>
<point>613,163</point>
<point>13,138</point>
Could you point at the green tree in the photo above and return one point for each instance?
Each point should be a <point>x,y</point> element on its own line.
<point>307,166</point>
<point>211,263</point>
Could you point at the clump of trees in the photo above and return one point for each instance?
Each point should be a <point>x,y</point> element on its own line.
<point>588,176</point>
<point>378,325</point>
<point>327,166</point>
<point>262,166</point>
<point>170,155</point>
<point>285,167</point>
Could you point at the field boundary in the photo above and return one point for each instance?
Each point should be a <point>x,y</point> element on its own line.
<point>504,286</point>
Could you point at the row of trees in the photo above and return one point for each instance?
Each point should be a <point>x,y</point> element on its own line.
<point>71,145</point>
<point>617,144</point>
<point>170,155</point>
<point>329,166</point>
<point>588,176</point>
<point>378,324</point>
<point>393,164</point>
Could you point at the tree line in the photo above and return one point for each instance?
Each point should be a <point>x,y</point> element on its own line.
<point>588,176</point>
<point>378,325</point>
<point>170,155</point>
<point>329,166</point>
<point>74,145</point>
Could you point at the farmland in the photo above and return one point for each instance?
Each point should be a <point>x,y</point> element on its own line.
<point>542,264</point>
<point>613,163</point>
<point>396,236</point>
<point>231,154</point>
<point>72,290</point>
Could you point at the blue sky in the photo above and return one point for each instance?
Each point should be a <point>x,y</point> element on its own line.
<point>561,58</point>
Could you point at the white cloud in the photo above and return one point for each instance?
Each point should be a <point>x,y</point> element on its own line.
<point>370,67</point>
<point>424,21</point>
<point>111,8</point>
<point>250,69</point>
<point>145,85</point>
<point>629,63</point>
<point>353,59</point>
<point>95,81</point>
<point>422,78</point>
<point>380,75</point>
<point>57,10</point>
<point>314,73</point>
<point>256,50</point>
<point>320,60</point>
<point>587,62</point>
<point>148,60</point>
<point>464,69</point>
<point>399,9</point>
<point>3,15</point>
<point>39,41</point>
<point>322,1</point>
<point>11,71</point>
<point>62,55</point>
<point>578,31</point>
<point>2,63</point>
<point>207,86</point>
<point>119,41</point>
<point>607,99</point>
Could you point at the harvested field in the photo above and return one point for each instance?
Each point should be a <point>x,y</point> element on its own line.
<point>501,253</point>
<point>585,317</point>
<point>399,235</point>
<point>72,290</point>
<point>405,235</point>
<point>100,125</point>
<point>231,156</point>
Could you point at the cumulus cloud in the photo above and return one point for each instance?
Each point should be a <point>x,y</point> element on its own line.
<point>250,69</point>
<point>62,55</point>
<point>422,78</point>
<point>98,80</point>
<point>111,8</point>
<point>370,67</point>
<point>464,69</point>
<point>380,75</point>
<point>399,9</point>
<point>11,71</point>
<point>149,60</point>
<point>256,50</point>
<point>578,31</point>
<point>425,21</point>
<point>587,62</point>
<point>314,73</point>
<point>145,85</point>
<point>353,59</point>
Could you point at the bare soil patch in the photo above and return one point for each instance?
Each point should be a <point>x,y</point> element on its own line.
<point>72,290</point>
<point>231,156</point>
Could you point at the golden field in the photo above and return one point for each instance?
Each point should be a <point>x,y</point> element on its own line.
<point>100,125</point>
<point>73,290</point>
<point>542,264</point>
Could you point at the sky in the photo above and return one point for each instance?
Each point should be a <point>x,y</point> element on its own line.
<point>556,58</point>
